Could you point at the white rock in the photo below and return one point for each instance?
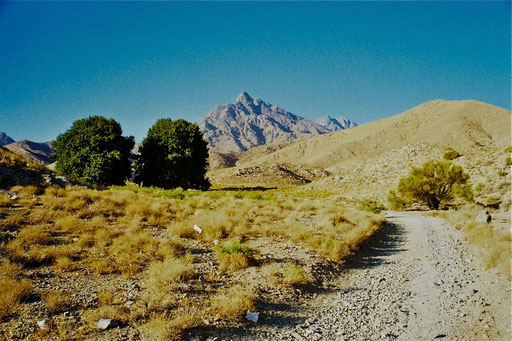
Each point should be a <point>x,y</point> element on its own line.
<point>42,324</point>
<point>216,242</point>
<point>198,229</point>
<point>252,316</point>
<point>104,323</point>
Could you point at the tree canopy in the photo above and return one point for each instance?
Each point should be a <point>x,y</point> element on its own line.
<point>173,154</point>
<point>93,151</point>
<point>434,184</point>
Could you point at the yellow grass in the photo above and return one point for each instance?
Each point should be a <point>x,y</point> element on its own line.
<point>63,264</point>
<point>5,200</point>
<point>169,271</point>
<point>57,302</point>
<point>296,276</point>
<point>232,304</point>
<point>12,292</point>
<point>148,237</point>
<point>493,246</point>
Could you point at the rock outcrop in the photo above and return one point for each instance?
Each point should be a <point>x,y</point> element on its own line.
<point>251,122</point>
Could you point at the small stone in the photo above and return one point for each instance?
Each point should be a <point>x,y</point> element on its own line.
<point>198,229</point>
<point>106,324</point>
<point>42,324</point>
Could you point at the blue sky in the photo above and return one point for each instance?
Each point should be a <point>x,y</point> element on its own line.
<point>140,61</point>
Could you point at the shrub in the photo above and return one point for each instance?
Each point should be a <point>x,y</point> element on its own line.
<point>435,184</point>
<point>451,154</point>
<point>508,161</point>
<point>173,154</point>
<point>371,206</point>
<point>93,151</point>
<point>395,201</point>
<point>502,172</point>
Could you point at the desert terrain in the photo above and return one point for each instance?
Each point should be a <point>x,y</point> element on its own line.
<point>300,232</point>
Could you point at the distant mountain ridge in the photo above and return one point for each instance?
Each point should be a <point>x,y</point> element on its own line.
<point>4,139</point>
<point>251,122</point>
<point>39,152</point>
<point>335,123</point>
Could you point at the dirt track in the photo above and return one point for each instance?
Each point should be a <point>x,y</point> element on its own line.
<point>416,281</point>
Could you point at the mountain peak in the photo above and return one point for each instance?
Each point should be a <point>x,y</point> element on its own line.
<point>244,97</point>
<point>335,123</point>
<point>252,122</point>
<point>4,139</point>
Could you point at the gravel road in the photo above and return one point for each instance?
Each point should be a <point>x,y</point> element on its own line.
<point>417,281</point>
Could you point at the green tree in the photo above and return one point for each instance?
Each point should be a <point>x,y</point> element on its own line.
<point>434,184</point>
<point>173,154</point>
<point>93,151</point>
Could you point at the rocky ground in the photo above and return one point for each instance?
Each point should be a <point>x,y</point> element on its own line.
<point>415,282</point>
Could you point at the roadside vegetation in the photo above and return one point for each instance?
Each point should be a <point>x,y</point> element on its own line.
<point>440,184</point>
<point>435,184</point>
<point>491,244</point>
<point>161,262</point>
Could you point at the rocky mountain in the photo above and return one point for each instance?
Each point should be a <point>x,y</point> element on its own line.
<point>4,139</point>
<point>472,128</point>
<point>251,122</point>
<point>39,152</point>
<point>335,124</point>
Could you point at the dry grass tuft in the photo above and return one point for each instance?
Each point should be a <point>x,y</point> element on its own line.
<point>12,292</point>
<point>28,191</point>
<point>169,271</point>
<point>10,270</point>
<point>63,264</point>
<point>235,262</point>
<point>232,304</point>
<point>291,275</point>
<point>57,302</point>
<point>158,328</point>
<point>5,200</point>
<point>296,276</point>
<point>235,256</point>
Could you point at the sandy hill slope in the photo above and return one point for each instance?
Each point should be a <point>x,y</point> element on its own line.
<point>39,152</point>
<point>251,122</point>
<point>463,125</point>
<point>4,139</point>
<point>365,154</point>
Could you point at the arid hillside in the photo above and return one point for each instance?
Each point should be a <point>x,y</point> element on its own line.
<point>466,126</point>
<point>34,151</point>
